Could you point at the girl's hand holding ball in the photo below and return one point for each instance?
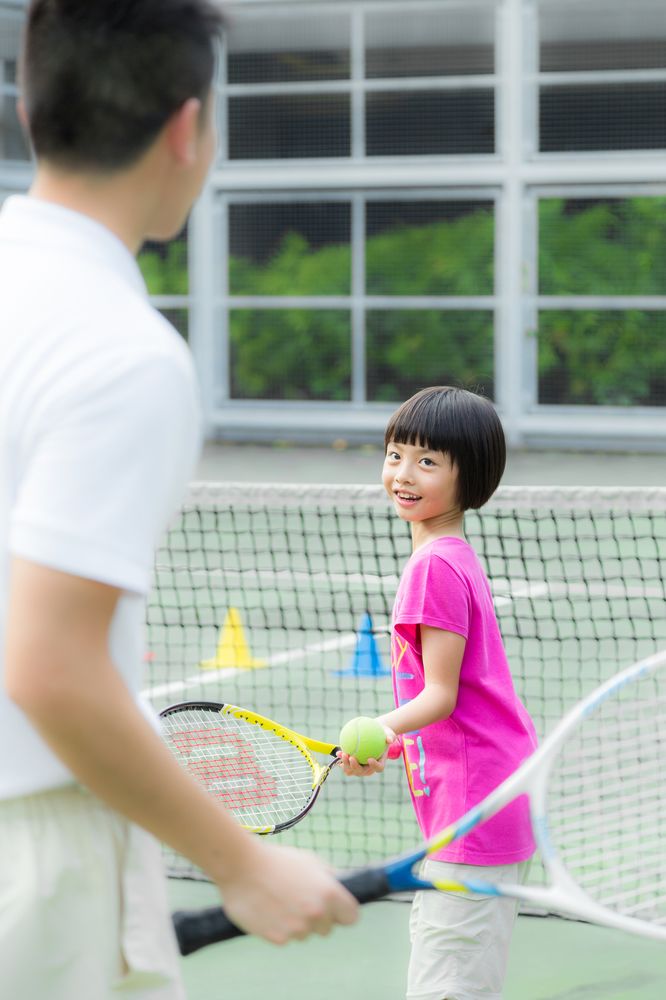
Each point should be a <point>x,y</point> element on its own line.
<point>364,742</point>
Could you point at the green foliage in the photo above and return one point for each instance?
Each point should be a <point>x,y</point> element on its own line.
<point>602,358</point>
<point>409,349</point>
<point>290,354</point>
<point>165,269</point>
<point>443,258</point>
<point>604,248</point>
<point>295,269</point>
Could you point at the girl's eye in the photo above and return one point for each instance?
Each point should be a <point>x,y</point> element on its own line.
<point>427,461</point>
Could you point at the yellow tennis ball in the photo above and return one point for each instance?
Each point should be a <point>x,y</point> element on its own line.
<point>363,738</point>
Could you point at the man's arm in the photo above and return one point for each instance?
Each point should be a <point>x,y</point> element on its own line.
<point>60,674</point>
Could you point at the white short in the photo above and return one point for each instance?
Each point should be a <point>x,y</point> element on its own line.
<point>460,942</point>
<point>83,904</point>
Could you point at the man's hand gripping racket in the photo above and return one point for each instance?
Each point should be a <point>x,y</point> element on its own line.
<point>597,794</point>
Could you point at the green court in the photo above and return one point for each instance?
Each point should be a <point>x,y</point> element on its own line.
<point>551,959</point>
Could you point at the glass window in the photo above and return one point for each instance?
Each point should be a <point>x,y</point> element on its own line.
<point>610,246</point>
<point>588,56</point>
<point>295,354</point>
<point>602,358</point>
<point>272,59</point>
<point>602,35</point>
<point>13,143</point>
<point>444,42</point>
<point>427,247</point>
<point>410,349</point>
<point>627,40</point>
<point>289,126</point>
<point>293,248</point>
<point>585,118</point>
<point>429,122</point>
<point>288,49</point>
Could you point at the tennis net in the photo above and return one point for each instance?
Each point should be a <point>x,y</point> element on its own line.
<point>278,598</point>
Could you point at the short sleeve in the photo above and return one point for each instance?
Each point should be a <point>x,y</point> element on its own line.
<point>107,470</point>
<point>432,593</point>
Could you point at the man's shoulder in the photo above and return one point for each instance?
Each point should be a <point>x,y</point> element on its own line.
<point>94,364</point>
<point>139,352</point>
<point>138,331</point>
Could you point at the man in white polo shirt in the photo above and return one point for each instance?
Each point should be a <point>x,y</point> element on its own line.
<point>99,432</point>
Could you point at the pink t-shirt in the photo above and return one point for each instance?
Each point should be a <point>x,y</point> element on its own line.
<point>454,763</point>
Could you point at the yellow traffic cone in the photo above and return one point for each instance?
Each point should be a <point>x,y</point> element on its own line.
<point>232,648</point>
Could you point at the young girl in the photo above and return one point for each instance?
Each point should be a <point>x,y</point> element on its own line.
<point>463,727</point>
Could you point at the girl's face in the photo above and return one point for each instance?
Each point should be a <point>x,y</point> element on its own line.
<point>423,484</point>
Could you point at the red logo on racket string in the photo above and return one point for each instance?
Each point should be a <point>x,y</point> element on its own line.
<point>235,776</point>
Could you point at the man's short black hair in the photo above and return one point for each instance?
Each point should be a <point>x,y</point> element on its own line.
<point>100,78</point>
<point>463,425</point>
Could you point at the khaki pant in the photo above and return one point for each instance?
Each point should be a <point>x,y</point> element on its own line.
<point>83,904</point>
<point>460,941</point>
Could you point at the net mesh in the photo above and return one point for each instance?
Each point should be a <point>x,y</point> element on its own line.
<point>278,598</point>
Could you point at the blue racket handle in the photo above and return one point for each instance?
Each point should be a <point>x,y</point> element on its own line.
<point>197,928</point>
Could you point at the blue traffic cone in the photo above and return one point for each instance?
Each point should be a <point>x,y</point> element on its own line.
<point>366,661</point>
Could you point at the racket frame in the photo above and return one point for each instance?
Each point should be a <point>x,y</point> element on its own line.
<point>563,894</point>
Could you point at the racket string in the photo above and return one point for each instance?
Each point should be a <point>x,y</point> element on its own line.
<point>607,813</point>
<point>262,778</point>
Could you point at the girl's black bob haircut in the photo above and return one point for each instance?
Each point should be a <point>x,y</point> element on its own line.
<point>463,425</point>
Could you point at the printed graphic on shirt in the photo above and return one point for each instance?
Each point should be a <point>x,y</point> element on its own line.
<point>414,752</point>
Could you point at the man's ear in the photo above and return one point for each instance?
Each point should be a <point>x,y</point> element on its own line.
<point>22,115</point>
<point>181,132</point>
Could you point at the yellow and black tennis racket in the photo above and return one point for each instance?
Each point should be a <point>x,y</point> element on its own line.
<point>262,772</point>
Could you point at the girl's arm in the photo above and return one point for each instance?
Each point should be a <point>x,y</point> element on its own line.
<point>442,654</point>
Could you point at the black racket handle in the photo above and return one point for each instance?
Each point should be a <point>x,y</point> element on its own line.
<point>197,928</point>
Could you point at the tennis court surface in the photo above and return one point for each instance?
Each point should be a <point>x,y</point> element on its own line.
<point>551,959</point>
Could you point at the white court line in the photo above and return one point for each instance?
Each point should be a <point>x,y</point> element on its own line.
<point>501,586</point>
<point>275,577</point>
<point>527,590</point>
<point>506,590</point>
<point>210,676</point>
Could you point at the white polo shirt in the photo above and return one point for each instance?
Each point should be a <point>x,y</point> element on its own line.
<point>99,434</point>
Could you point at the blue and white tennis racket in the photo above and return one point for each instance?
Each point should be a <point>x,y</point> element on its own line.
<point>597,794</point>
